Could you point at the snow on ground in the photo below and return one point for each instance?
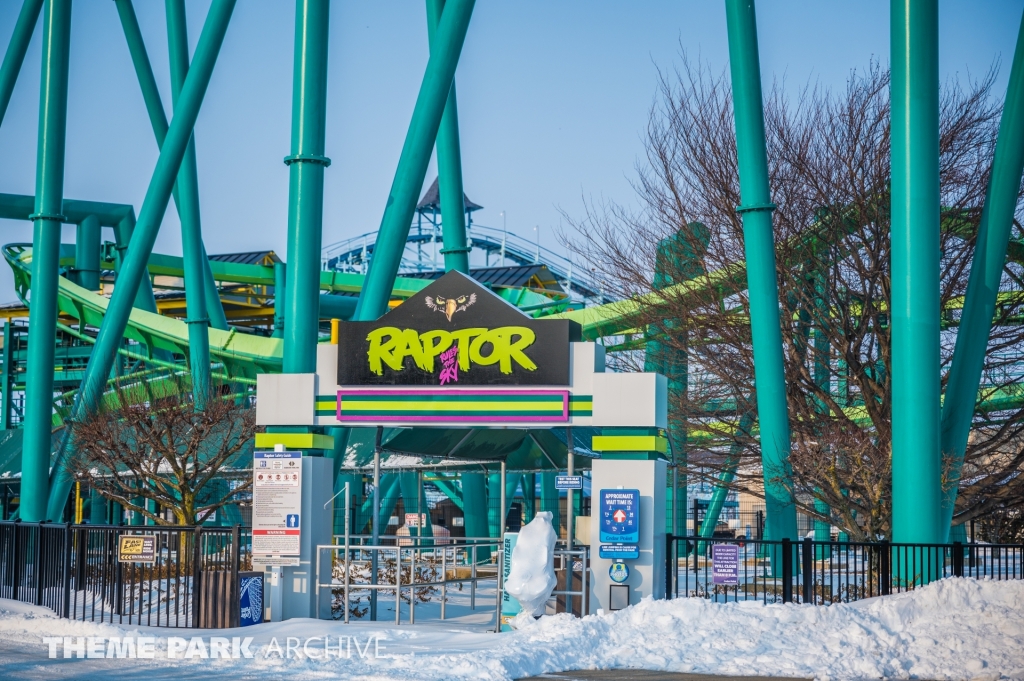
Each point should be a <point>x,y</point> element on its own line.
<point>952,629</point>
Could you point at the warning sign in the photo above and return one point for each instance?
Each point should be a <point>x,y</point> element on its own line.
<point>276,503</point>
<point>136,548</point>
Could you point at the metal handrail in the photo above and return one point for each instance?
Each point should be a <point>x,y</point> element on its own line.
<point>413,552</point>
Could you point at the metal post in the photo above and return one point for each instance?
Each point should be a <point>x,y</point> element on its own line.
<point>154,206</point>
<point>348,525</point>
<point>916,469</point>
<point>306,166</point>
<point>188,209</point>
<point>280,278</point>
<point>570,495</point>
<point>158,121</point>
<point>375,522</point>
<point>449,169</point>
<point>983,285</point>
<point>504,504</point>
<point>88,239</point>
<point>16,49</point>
<point>47,219</point>
<point>756,211</point>
<point>787,570</point>
<point>807,559</point>
<point>7,382</point>
<point>412,165</point>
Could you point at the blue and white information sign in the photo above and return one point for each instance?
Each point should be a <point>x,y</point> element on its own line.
<point>568,482</point>
<point>620,516</point>
<point>620,551</point>
<point>620,524</point>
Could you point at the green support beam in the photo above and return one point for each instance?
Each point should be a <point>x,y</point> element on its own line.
<point>915,310</point>
<point>158,121</point>
<point>759,245</point>
<point>306,166</point>
<point>725,478</point>
<point>435,89</point>
<point>88,241</point>
<point>158,195</point>
<point>983,285</point>
<point>188,209</point>
<point>53,106</point>
<point>449,169</point>
<point>16,49</point>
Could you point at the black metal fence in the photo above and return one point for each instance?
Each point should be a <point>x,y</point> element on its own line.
<point>74,570</point>
<point>821,572</point>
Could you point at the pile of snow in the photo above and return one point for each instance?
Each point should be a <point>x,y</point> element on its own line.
<point>952,629</point>
<point>531,578</point>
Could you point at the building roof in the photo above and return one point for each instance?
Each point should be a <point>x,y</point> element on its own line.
<point>432,200</point>
<point>527,276</point>
<point>249,258</point>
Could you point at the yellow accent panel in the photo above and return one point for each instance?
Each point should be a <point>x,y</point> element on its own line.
<point>294,440</point>
<point>630,443</point>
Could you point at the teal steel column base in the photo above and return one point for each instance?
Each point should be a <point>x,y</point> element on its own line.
<point>47,218</point>
<point>759,246</point>
<point>915,313</point>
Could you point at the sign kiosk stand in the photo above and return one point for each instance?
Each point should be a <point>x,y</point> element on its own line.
<point>292,514</point>
<point>623,486</point>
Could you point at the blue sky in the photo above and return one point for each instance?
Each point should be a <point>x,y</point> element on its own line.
<point>553,100</point>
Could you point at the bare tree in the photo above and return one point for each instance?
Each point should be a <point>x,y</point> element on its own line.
<point>679,263</point>
<point>148,443</point>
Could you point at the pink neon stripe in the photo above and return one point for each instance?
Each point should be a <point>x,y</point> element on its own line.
<point>454,418</point>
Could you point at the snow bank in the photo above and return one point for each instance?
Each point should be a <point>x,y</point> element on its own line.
<point>531,577</point>
<point>952,629</point>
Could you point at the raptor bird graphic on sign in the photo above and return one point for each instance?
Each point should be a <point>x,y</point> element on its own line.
<point>449,306</point>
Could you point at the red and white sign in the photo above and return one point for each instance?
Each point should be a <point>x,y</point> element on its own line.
<point>620,516</point>
<point>276,504</point>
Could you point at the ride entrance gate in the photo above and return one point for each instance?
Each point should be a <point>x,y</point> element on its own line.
<point>456,359</point>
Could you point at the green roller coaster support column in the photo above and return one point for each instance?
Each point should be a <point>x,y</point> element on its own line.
<point>88,241</point>
<point>435,89</point>
<point>983,284</point>
<point>414,500</point>
<point>916,470</point>
<point>306,186</point>
<point>530,496</point>
<point>725,478</point>
<point>769,374</point>
<point>187,185</point>
<point>474,502</point>
<point>16,49</point>
<point>53,107</point>
<point>98,508</point>
<point>449,169</point>
<point>822,529</point>
<point>134,266</point>
<point>280,279</point>
<point>678,259</point>
<point>6,382</point>
<point>144,298</point>
<point>158,121</point>
<point>549,498</point>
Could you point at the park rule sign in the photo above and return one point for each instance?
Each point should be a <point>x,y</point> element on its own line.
<point>276,503</point>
